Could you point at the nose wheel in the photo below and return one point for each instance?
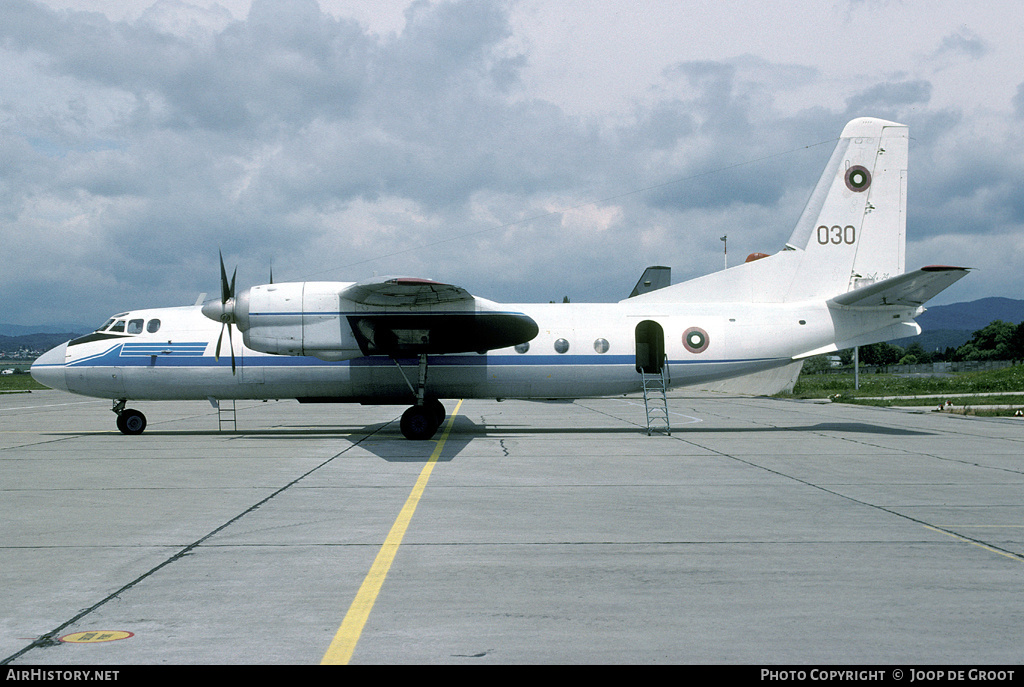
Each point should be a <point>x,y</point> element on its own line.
<point>129,420</point>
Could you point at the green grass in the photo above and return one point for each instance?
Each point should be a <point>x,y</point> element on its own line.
<point>839,387</point>
<point>18,382</point>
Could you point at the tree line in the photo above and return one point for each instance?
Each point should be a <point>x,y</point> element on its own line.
<point>996,341</point>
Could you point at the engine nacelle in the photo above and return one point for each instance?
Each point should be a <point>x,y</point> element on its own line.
<point>394,317</point>
<point>299,318</point>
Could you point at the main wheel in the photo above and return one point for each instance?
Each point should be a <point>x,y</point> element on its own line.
<point>419,422</point>
<point>437,408</point>
<point>131,422</point>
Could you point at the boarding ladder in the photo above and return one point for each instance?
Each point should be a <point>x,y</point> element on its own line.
<point>656,401</point>
<point>226,416</point>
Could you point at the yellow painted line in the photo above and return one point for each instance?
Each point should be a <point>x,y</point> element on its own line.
<point>1011,556</point>
<point>344,642</point>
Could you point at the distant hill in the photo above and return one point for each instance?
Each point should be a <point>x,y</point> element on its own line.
<point>973,315</point>
<point>953,325</point>
<point>22,330</point>
<point>34,342</point>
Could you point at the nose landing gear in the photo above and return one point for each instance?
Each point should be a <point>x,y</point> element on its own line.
<point>129,421</point>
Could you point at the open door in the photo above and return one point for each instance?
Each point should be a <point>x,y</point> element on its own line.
<point>650,347</point>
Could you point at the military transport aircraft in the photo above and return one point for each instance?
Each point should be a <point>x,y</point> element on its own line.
<point>839,282</point>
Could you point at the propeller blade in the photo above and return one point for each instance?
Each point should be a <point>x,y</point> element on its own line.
<point>225,291</point>
<point>227,316</point>
<point>216,353</point>
<point>231,343</point>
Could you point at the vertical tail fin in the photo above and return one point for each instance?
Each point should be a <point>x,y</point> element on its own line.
<point>853,230</point>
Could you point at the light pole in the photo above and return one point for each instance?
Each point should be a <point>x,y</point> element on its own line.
<point>856,367</point>
<point>725,250</point>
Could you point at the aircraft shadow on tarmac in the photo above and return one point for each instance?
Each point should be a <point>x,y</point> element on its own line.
<point>389,444</point>
<point>385,440</point>
<point>847,427</point>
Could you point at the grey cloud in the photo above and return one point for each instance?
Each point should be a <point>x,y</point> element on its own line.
<point>715,95</point>
<point>287,61</point>
<point>890,97</point>
<point>963,42</point>
<point>300,139</point>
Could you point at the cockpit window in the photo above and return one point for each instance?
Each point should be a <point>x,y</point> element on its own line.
<point>115,324</point>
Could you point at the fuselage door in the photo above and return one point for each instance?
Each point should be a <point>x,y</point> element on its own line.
<point>650,347</point>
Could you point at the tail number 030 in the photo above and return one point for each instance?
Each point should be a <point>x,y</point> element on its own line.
<point>837,235</point>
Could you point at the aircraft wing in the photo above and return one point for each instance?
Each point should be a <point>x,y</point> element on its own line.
<point>909,290</point>
<point>407,292</point>
<point>408,316</point>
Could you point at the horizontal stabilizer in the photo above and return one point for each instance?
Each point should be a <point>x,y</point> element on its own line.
<point>912,289</point>
<point>407,292</point>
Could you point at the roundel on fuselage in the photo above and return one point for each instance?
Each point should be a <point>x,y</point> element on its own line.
<point>695,340</point>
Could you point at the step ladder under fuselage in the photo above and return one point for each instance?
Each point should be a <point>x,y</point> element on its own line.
<point>226,415</point>
<point>656,400</point>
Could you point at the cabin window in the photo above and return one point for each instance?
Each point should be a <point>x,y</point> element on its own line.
<point>153,327</point>
<point>118,326</point>
<point>523,347</point>
<point>561,346</point>
<point>601,345</point>
<point>135,326</point>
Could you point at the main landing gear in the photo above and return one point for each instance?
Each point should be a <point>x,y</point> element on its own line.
<point>129,421</point>
<point>421,421</point>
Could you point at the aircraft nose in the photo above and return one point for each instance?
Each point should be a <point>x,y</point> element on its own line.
<point>48,369</point>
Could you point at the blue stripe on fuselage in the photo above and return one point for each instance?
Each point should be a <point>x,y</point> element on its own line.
<point>192,354</point>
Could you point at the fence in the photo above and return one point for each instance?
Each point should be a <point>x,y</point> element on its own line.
<point>928,368</point>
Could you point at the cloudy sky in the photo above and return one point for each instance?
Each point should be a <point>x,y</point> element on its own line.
<point>525,150</point>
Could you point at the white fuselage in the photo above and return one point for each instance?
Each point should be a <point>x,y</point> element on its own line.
<point>581,350</point>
